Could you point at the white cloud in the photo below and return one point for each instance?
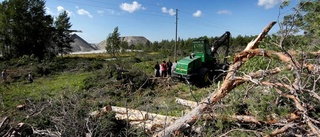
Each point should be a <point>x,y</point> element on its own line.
<point>224,12</point>
<point>111,11</point>
<point>131,7</point>
<point>48,11</point>
<point>84,12</point>
<point>101,12</point>
<point>164,9</point>
<point>269,3</point>
<point>61,9</point>
<point>170,11</point>
<point>198,13</point>
<point>107,11</point>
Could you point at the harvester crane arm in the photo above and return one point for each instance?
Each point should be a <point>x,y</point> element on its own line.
<point>224,39</point>
<point>74,31</point>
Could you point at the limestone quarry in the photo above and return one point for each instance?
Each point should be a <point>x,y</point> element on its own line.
<point>80,45</point>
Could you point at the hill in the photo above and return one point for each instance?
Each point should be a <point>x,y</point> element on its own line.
<point>132,40</point>
<point>80,45</point>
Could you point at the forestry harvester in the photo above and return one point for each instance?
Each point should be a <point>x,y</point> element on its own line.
<point>203,63</point>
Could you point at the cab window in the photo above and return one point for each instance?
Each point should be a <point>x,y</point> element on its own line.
<point>197,48</point>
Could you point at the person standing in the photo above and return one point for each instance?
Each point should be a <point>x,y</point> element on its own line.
<point>164,69</point>
<point>157,68</point>
<point>4,75</point>
<point>30,78</point>
<point>169,67</point>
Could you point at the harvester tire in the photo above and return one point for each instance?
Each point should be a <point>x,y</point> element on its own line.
<point>204,75</point>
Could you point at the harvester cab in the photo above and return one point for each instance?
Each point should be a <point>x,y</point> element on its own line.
<point>203,63</point>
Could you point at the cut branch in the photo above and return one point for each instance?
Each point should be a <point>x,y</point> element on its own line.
<point>281,130</point>
<point>4,123</point>
<point>255,43</point>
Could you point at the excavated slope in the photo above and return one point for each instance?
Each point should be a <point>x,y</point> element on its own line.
<point>132,40</point>
<point>80,45</point>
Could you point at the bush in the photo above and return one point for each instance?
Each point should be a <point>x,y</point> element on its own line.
<point>108,125</point>
<point>97,81</point>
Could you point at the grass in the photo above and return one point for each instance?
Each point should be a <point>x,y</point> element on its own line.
<point>42,88</point>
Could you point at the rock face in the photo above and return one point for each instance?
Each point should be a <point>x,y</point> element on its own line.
<point>80,45</point>
<point>132,40</point>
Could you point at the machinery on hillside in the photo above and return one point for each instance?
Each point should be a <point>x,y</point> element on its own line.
<point>203,63</point>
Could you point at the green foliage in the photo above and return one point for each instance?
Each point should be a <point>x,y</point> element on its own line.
<point>136,78</point>
<point>94,81</point>
<point>146,67</point>
<point>43,38</point>
<point>259,63</point>
<point>310,17</point>
<point>108,125</point>
<point>113,43</point>
<point>62,36</point>
<point>124,45</point>
<point>16,17</point>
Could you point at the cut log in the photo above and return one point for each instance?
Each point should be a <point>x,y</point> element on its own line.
<point>139,118</point>
<point>192,104</point>
<point>187,103</point>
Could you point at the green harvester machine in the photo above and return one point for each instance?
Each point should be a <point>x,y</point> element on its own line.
<point>202,64</point>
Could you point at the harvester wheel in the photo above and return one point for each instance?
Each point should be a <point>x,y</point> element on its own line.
<point>204,75</point>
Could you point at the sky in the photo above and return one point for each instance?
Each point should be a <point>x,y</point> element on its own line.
<point>156,19</point>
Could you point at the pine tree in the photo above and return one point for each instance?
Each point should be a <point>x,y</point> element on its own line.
<point>62,37</point>
<point>113,43</point>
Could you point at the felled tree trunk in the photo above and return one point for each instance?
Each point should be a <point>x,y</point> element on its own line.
<point>146,120</point>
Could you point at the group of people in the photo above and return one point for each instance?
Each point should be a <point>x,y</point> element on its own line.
<point>166,68</point>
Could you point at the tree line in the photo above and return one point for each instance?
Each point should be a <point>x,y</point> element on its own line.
<point>25,29</point>
<point>167,47</point>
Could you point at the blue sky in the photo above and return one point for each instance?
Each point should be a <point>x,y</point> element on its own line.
<point>155,19</point>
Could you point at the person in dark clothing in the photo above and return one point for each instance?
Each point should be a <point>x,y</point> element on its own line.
<point>157,68</point>
<point>4,75</point>
<point>30,78</point>
<point>169,67</point>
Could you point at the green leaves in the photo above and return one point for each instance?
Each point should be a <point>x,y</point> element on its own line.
<point>285,4</point>
<point>113,43</point>
<point>24,28</point>
<point>62,35</point>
